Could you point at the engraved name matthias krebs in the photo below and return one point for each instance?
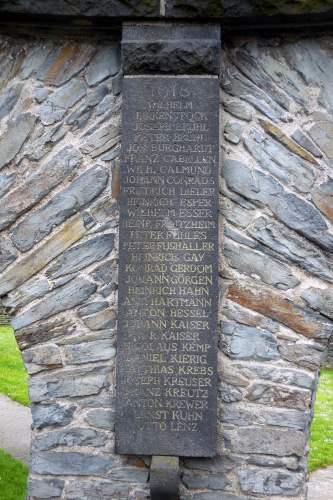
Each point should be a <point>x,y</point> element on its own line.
<point>168,257</point>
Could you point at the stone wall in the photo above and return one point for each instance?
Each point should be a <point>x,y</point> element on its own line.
<point>59,143</point>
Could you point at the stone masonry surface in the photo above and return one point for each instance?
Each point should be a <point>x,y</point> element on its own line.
<point>60,136</point>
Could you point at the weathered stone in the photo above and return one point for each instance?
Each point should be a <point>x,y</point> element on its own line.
<point>240,314</point>
<point>33,289</point>
<point>295,212</point>
<point>236,85</point>
<point>48,415</point>
<point>74,436</point>
<point>305,142</point>
<point>233,132</point>
<point>45,488</point>
<point>272,441</point>
<point>277,160</point>
<point>105,272</point>
<point>101,320</point>
<point>300,378</point>
<point>86,490</point>
<point>104,64</point>
<point>71,383</point>
<point>43,331</point>
<point>229,394</point>
<point>211,481</point>
<point>7,253</point>
<point>321,133</point>
<point>153,52</point>
<point>92,308</point>
<point>6,182</point>
<point>101,400</point>
<point>97,142</point>
<point>301,354</point>
<point>249,343</point>
<point>63,63</point>
<point>246,415</point>
<point>89,352</point>
<point>238,237</point>
<point>238,109</point>
<point>80,117</point>
<point>101,418</point>
<point>249,66</point>
<point>270,482</point>
<point>323,198</point>
<point>279,395</point>
<point>277,133</point>
<point>40,223</point>
<point>9,98</point>
<point>46,356</point>
<point>66,297</point>
<point>292,463</point>
<point>41,141</point>
<point>71,232</point>
<point>257,264</point>
<point>236,214</point>
<point>57,104</point>
<point>16,134</point>
<point>217,496</point>
<point>320,299</point>
<point>275,306</point>
<point>38,184</point>
<point>131,474</point>
<point>70,463</point>
<point>81,256</point>
<point>285,242</point>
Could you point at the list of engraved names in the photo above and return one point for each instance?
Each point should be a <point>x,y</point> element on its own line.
<point>168,269</point>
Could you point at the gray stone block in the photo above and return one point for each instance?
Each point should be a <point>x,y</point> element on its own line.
<point>81,256</point>
<point>9,98</point>
<point>273,441</point>
<point>6,182</point>
<point>290,245</point>
<point>51,415</point>
<point>279,395</point>
<point>74,436</point>
<point>101,418</point>
<point>57,104</point>
<point>320,299</point>
<point>295,212</point>
<point>89,352</point>
<point>86,490</point>
<point>257,264</point>
<point>64,62</point>
<point>40,223</point>
<point>276,159</point>
<point>45,488</point>
<point>70,463</point>
<point>63,298</point>
<point>38,184</point>
<point>72,383</point>
<point>174,49</point>
<point>238,109</point>
<point>101,320</point>
<point>270,482</point>
<point>105,63</point>
<point>249,343</point>
<point>14,137</point>
<point>8,254</point>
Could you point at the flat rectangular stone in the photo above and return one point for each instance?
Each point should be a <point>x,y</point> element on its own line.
<point>168,270</point>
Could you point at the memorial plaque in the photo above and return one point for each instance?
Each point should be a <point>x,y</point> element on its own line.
<point>168,269</point>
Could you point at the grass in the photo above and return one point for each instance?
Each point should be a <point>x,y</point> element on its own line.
<point>13,376</point>
<point>321,442</point>
<point>13,478</point>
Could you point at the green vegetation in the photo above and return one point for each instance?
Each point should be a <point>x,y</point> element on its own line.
<point>321,442</point>
<point>13,376</point>
<point>13,478</point>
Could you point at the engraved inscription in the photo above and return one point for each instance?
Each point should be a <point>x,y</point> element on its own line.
<point>168,271</point>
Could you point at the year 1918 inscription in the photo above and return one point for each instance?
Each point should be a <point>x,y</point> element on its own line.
<point>168,269</point>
